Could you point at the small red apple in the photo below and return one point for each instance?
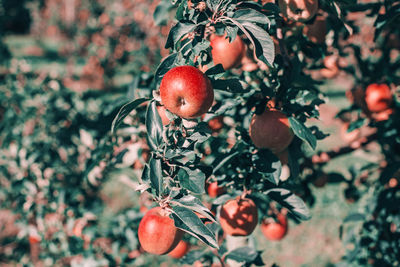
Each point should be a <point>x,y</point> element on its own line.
<point>214,190</point>
<point>239,217</point>
<point>275,230</point>
<point>180,250</point>
<point>157,232</point>
<point>378,97</point>
<point>229,54</point>
<point>271,130</point>
<point>216,123</point>
<point>298,10</point>
<point>186,92</point>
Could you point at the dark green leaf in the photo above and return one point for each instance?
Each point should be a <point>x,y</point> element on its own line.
<point>290,201</point>
<point>167,64</point>
<point>124,111</point>
<point>194,204</point>
<point>177,32</point>
<point>245,255</point>
<point>251,15</point>
<point>192,180</point>
<point>303,132</point>
<point>189,222</point>
<point>264,46</point>
<point>154,126</point>
<point>156,177</point>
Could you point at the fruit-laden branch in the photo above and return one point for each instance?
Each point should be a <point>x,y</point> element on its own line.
<point>323,157</point>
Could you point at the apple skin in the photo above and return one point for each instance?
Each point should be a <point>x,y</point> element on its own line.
<point>331,69</point>
<point>214,190</point>
<point>228,54</point>
<point>275,231</point>
<point>298,10</point>
<point>157,232</point>
<point>180,250</point>
<point>271,130</point>
<point>239,217</point>
<point>378,97</point>
<point>186,92</point>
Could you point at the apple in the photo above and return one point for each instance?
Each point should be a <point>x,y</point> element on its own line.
<point>239,217</point>
<point>157,232</point>
<point>331,68</point>
<point>271,130</point>
<point>378,97</point>
<point>186,92</point>
<point>275,230</point>
<point>180,250</point>
<point>298,10</point>
<point>316,31</point>
<point>216,123</point>
<point>229,54</point>
<point>214,190</point>
<point>321,180</point>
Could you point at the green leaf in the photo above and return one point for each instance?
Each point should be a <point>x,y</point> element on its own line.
<point>268,165</point>
<point>264,46</point>
<point>154,126</point>
<point>246,255</point>
<point>290,201</point>
<point>221,163</point>
<point>124,111</point>
<point>354,217</point>
<point>177,32</point>
<point>252,16</point>
<point>230,85</point>
<point>303,132</point>
<point>189,222</point>
<point>167,64</point>
<point>155,173</point>
<point>192,180</point>
<point>194,204</point>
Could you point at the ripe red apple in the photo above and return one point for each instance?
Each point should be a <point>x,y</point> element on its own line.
<point>271,130</point>
<point>378,97</point>
<point>180,250</point>
<point>157,232</point>
<point>298,10</point>
<point>186,92</point>
<point>226,53</point>
<point>214,190</point>
<point>275,230</point>
<point>216,123</point>
<point>239,217</point>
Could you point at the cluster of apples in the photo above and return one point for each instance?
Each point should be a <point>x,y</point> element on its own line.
<point>188,93</point>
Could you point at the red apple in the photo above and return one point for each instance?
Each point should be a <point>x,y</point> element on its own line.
<point>275,230</point>
<point>239,217</point>
<point>226,53</point>
<point>378,97</point>
<point>180,250</point>
<point>271,130</point>
<point>157,232</point>
<point>186,92</point>
<point>214,190</point>
<point>298,10</point>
